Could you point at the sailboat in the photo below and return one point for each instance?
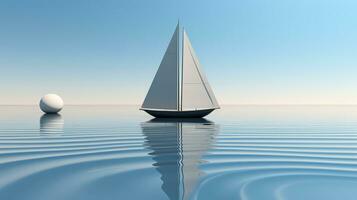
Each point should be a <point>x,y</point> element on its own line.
<point>180,89</point>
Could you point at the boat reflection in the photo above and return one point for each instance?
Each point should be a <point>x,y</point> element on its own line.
<point>177,147</point>
<point>51,124</point>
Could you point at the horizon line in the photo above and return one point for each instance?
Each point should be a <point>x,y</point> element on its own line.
<point>282,104</point>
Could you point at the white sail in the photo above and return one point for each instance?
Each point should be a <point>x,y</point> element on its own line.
<point>179,86</point>
<point>163,92</point>
<point>196,92</point>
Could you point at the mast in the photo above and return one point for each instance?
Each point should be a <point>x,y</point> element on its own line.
<point>178,67</point>
<point>182,48</point>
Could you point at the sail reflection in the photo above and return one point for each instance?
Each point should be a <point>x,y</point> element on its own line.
<point>51,124</point>
<point>177,147</point>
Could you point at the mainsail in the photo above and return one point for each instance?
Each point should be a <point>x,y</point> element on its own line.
<point>196,92</point>
<point>180,86</point>
<point>163,92</point>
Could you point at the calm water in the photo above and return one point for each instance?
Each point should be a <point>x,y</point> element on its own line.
<point>239,152</point>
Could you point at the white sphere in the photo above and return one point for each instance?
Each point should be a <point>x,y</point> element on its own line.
<point>51,103</point>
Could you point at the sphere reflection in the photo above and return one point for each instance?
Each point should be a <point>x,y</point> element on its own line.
<point>51,124</point>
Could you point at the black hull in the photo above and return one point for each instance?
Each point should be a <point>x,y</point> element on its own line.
<point>179,114</point>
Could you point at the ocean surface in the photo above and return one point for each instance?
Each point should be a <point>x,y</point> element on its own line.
<point>237,152</point>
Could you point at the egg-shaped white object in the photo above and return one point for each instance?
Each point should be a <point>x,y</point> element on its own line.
<point>51,103</point>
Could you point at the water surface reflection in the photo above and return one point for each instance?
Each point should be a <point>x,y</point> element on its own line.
<point>177,147</point>
<point>51,124</point>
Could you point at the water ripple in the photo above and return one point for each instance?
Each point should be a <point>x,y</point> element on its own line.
<point>244,156</point>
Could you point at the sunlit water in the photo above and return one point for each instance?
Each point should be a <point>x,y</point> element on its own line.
<point>238,152</point>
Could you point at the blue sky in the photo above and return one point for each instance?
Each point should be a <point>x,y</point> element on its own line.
<point>107,52</point>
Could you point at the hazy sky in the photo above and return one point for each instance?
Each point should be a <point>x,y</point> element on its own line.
<point>107,52</point>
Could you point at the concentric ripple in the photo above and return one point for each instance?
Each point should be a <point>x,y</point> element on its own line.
<point>117,152</point>
<point>283,153</point>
